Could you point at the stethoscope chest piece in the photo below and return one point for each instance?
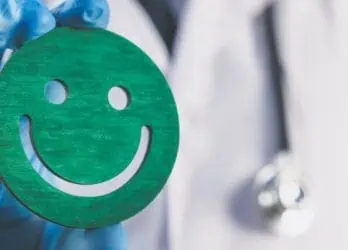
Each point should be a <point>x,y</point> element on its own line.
<point>283,198</point>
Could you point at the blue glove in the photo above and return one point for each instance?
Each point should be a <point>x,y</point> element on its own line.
<point>20,21</point>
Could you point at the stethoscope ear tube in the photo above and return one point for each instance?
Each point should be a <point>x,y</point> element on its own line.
<point>281,192</point>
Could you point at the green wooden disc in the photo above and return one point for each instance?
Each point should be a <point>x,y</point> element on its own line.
<point>85,140</point>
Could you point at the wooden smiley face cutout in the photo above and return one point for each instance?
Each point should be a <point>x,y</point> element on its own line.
<point>85,142</point>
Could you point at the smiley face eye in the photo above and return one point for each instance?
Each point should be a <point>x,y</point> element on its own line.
<point>118,98</point>
<point>56,92</point>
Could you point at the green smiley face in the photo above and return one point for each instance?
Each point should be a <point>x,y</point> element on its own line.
<point>85,142</point>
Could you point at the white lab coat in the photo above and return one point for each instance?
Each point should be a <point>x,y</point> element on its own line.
<point>229,126</point>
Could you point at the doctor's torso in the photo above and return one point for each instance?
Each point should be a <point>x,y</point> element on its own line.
<point>219,66</point>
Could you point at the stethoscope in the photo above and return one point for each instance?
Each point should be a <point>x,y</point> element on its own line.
<point>282,196</point>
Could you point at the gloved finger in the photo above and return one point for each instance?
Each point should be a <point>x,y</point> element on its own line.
<point>11,211</point>
<point>19,228</point>
<point>108,238</point>
<point>56,237</point>
<point>83,13</point>
<point>9,18</point>
<point>21,21</point>
<point>36,21</point>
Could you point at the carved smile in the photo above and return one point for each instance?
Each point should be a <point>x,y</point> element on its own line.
<point>94,190</point>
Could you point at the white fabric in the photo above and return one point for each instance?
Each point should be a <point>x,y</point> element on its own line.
<point>313,42</point>
<point>229,126</point>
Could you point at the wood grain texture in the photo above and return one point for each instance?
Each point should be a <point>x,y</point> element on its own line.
<point>84,140</point>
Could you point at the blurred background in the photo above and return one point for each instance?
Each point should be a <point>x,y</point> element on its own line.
<point>261,89</point>
<point>251,78</point>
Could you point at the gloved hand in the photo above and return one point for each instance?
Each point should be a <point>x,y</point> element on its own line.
<point>20,21</point>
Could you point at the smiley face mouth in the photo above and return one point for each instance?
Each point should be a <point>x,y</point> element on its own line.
<point>94,190</point>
